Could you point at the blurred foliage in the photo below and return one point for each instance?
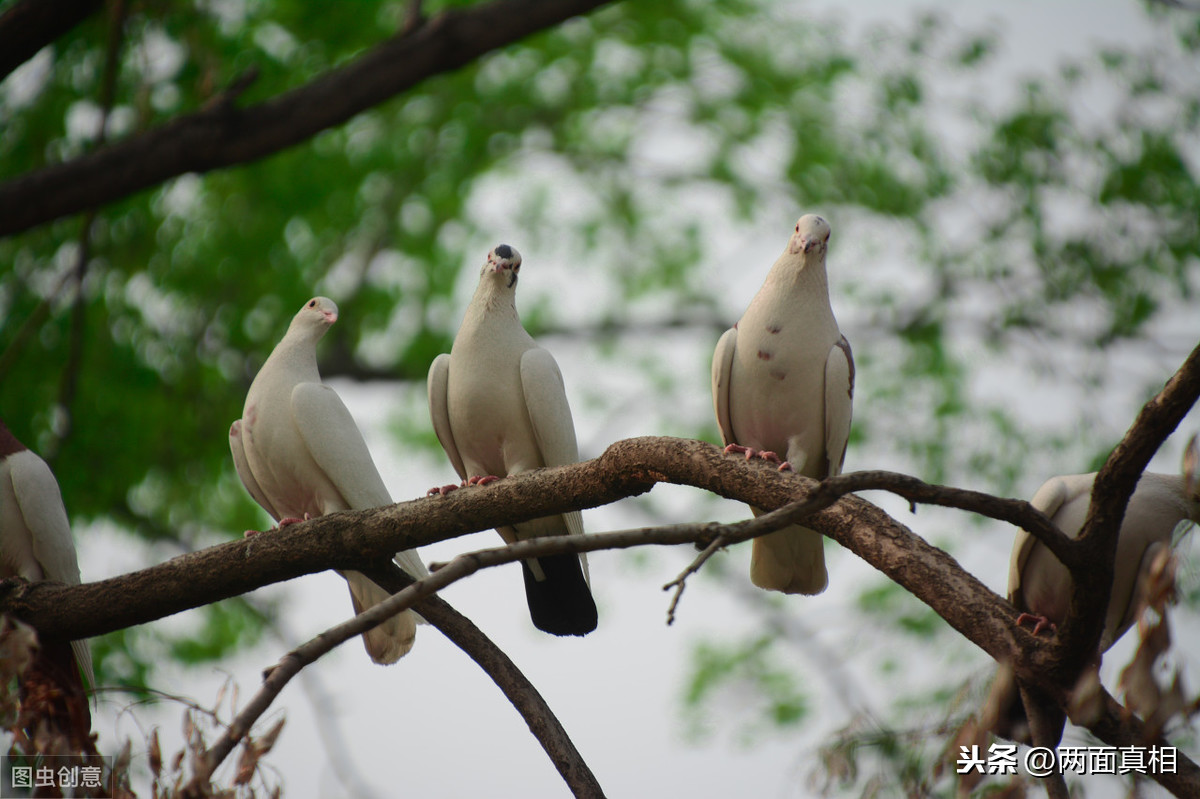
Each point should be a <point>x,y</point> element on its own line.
<point>633,145</point>
<point>758,678</point>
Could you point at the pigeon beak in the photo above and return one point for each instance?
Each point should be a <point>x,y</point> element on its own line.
<point>501,266</point>
<point>331,316</point>
<point>807,244</point>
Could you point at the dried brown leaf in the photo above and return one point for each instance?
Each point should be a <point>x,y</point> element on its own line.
<point>971,733</point>
<point>266,742</point>
<point>247,764</point>
<point>189,726</point>
<point>121,762</point>
<point>1159,581</point>
<point>155,753</point>
<point>18,645</point>
<point>1191,465</point>
<point>1086,704</point>
<point>1137,679</point>
<point>1171,702</point>
<point>220,695</point>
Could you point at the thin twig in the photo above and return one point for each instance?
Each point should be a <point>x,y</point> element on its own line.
<point>1016,512</point>
<point>680,582</point>
<point>516,687</point>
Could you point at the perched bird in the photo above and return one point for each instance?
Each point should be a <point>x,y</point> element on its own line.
<point>299,454</point>
<point>783,382</point>
<point>1040,586</point>
<point>36,544</point>
<point>499,408</point>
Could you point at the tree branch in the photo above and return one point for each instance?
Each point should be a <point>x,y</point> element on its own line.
<point>357,539</point>
<point>420,594</point>
<point>223,135</point>
<point>1117,727</point>
<point>517,688</point>
<point>29,25</point>
<point>521,693</point>
<point>1016,512</point>
<point>1092,579</point>
<point>360,540</point>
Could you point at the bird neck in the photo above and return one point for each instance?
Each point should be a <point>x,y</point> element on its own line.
<point>800,278</point>
<point>493,302</point>
<point>299,354</point>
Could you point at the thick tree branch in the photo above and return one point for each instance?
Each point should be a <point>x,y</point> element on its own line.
<point>29,25</point>
<point>1092,579</point>
<point>356,539</point>
<point>222,135</point>
<point>359,540</point>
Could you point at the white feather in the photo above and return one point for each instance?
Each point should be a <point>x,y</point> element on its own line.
<point>498,403</point>
<point>35,533</point>
<point>300,454</point>
<point>782,382</point>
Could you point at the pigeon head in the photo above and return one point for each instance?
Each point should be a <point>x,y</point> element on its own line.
<point>811,236</point>
<point>317,315</point>
<point>503,258</point>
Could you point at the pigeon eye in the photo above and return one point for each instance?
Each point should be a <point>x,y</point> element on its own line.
<point>312,303</point>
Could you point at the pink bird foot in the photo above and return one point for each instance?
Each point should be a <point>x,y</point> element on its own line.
<point>765,454</point>
<point>482,480</point>
<point>739,449</point>
<point>284,522</point>
<point>442,491</point>
<point>1038,622</point>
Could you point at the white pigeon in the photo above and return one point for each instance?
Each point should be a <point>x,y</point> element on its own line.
<point>1040,586</point>
<point>783,382</point>
<point>35,539</point>
<point>300,455</point>
<point>499,408</point>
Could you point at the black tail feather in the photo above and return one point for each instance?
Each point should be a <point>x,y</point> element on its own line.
<point>561,604</point>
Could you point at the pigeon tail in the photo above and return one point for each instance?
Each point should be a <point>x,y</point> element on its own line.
<point>562,603</point>
<point>390,640</point>
<point>791,560</point>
